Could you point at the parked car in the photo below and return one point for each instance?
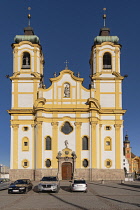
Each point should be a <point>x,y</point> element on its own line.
<point>4,183</point>
<point>78,185</point>
<point>138,176</point>
<point>49,183</point>
<point>20,186</point>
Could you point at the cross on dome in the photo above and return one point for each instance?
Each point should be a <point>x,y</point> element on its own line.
<point>66,62</point>
<point>104,17</point>
<point>29,16</point>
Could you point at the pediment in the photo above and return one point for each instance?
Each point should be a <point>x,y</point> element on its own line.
<point>64,72</point>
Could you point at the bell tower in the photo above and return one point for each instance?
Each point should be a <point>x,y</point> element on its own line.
<point>28,64</point>
<point>106,88</point>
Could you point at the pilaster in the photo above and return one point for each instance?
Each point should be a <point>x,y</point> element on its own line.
<point>78,144</point>
<point>35,60</point>
<point>93,144</point>
<point>39,145</point>
<point>33,146</point>
<point>100,146</point>
<point>15,146</point>
<point>54,144</point>
<point>117,146</point>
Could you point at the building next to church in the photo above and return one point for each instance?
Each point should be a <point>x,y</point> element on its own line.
<point>133,160</point>
<point>66,129</point>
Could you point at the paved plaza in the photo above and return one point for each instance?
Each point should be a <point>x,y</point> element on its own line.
<point>108,196</point>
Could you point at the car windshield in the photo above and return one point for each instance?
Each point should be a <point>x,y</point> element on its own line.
<point>53,178</point>
<point>79,182</point>
<point>20,182</point>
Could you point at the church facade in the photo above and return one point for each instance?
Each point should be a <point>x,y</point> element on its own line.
<point>66,129</point>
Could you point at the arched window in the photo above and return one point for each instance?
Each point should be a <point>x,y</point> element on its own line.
<point>48,163</point>
<point>85,143</point>
<point>107,61</point>
<point>108,144</point>
<point>25,144</point>
<point>85,163</point>
<point>26,60</point>
<point>48,143</point>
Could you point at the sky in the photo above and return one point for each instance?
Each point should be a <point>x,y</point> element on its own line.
<point>66,29</point>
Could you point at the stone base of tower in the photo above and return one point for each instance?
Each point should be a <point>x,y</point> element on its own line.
<point>31,174</point>
<point>15,174</point>
<point>100,174</point>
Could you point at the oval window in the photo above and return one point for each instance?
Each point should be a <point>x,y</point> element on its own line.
<point>85,163</point>
<point>48,163</point>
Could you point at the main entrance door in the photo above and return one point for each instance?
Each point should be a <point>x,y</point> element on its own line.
<point>66,171</point>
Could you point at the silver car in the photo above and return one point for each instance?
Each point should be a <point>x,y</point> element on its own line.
<point>78,185</point>
<point>4,183</point>
<point>49,183</point>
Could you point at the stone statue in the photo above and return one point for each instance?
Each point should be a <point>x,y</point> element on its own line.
<point>67,91</point>
<point>66,143</point>
<point>27,60</point>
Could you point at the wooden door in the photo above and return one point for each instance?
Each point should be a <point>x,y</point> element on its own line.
<point>66,171</point>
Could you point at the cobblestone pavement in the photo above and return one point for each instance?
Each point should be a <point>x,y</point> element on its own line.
<point>107,196</point>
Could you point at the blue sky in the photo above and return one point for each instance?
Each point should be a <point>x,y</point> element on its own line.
<point>66,29</point>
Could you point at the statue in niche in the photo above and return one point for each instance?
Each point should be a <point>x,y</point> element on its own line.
<point>66,143</point>
<point>67,91</point>
<point>27,60</point>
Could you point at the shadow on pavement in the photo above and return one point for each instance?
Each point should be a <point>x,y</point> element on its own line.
<point>35,189</point>
<point>65,188</point>
<point>122,188</point>
<point>64,201</point>
<point>123,202</point>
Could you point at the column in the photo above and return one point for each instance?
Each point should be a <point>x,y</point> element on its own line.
<point>97,60</point>
<point>117,59</point>
<point>78,144</point>
<point>93,145</point>
<point>118,146</point>
<point>100,146</point>
<point>54,144</point>
<point>39,146</point>
<point>33,147</point>
<point>35,60</point>
<point>15,147</point>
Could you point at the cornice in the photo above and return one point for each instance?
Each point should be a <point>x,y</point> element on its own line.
<point>112,111</point>
<point>100,111</point>
<point>98,76</point>
<point>20,111</point>
<point>14,45</point>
